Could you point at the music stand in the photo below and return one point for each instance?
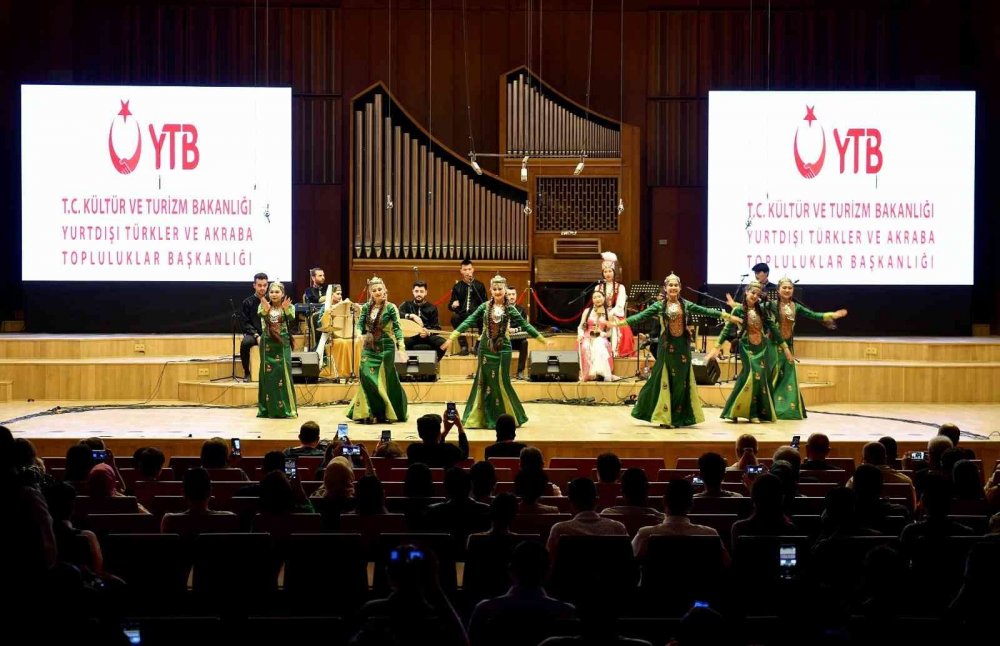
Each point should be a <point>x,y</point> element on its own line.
<point>234,325</point>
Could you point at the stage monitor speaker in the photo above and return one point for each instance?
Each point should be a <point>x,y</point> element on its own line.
<point>305,367</point>
<point>558,365</point>
<point>420,365</point>
<point>705,374</point>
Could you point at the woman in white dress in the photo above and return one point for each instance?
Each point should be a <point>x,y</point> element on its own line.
<point>594,341</point>
<point>622,339</point>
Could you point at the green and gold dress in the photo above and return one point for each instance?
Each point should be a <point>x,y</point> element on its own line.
<point>492,395</point>
<point>670,396</point>
<point>380,395</point>
<point>788,402</point>
<point>275,390</point>
<point>752,397</point>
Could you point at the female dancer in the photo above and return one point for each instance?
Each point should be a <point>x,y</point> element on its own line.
<point>622,339</point>
<point>492,395</point>
<point>670,396</point>
<point>788,402</point>
<point>380,397</point>
<point>275,390</point>
<point>751,396</point>
<point>593,341</point>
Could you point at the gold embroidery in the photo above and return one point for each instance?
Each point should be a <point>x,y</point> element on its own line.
<point>684,359</point>
<point>788,387</point>
<point>793,405</point>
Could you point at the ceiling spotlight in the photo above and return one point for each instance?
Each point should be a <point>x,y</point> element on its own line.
<point>527,208</point>
<point>475,165</point>
<point>579,167</point>
<point>621,206</point>
<point>388,203</point>
<point>524,169</point>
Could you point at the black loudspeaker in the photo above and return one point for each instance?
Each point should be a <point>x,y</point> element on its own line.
<point>420,365</point>
<point>558,365</point>
<point>705,374</point>
<point>305,367</point>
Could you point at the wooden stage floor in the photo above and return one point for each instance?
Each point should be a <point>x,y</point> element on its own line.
<point>558,429</point>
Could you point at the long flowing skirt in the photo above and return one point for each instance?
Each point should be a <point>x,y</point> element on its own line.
<point>595,358</point>
<point>380,395</point>
<point>670,396</point>
<point>788,402</point>
<point>622,341</point>
<point>751,396</point>
<point>492,395</point>
<point>275,390</point>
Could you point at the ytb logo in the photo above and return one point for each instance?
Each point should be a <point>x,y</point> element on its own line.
<point>181,140</point>
<point>849,148</point>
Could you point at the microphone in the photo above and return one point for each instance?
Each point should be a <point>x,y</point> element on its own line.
<point>744,275</point>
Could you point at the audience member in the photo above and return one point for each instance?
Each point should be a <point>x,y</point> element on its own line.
<point>484,481</point>
<point>433,450</point>
<point>273,461</point>
<point>677,501</point>
<point>417,611</point>
<point>790,455</point>
<point>872,510</point>
<point>94,443</point>
<point>994,525</point>
<point>78,547</point>
<point>101,483</point>
<point>309,442</point>
<point>965,477</point>
<point>746,448</point>
<point>505,446</point>
<point>215,453</point>
<point>459,514</point>
<point>336,495</point>
<point>635,491</point>
<point>936,448</point>
<point>882,596</point>
<point>197,495</point>
<point>768,517</point>
<point>388,450</point>
<point>418,482</point>
<point>993,490</point>
<point>950,458</point>
<point>789,484</point>
<point>149,463</point>
<point>585,522</point>
<point>891,450</point>
<point>79,462</point>
<point>712,470</point>
<point>525,613</point>
<point>839,518</point>
<point>936,503</point>
<point>503,508</point>
<point>953,433</point>
<point>530,486</point>
<point>817,450</point>
<point>532,460</point>
<point>280,496</point>
<point>370,497</point>
<point>875,454</point>
<point>609,468</point>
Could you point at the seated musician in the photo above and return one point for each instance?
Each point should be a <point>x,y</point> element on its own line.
<point>424,314</point>
<point>518,339</point>
<point>466,296</point>
<point>315,297</point>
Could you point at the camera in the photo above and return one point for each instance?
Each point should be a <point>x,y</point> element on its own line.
<point>406,555</point>
<point>451,411</point>
<point>99,456</point>
<point>291,468</point>
<point>795,441</point>
<point>351,449</point>
<point>787,561</point>
<point>386,436</point>
<point>235,447</point>
<point>918,455</point>
<point>342,431</point>
<point>754,469</point>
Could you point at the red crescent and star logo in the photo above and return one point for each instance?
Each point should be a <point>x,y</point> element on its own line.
<point>809,170</point>
<point>122,164</point>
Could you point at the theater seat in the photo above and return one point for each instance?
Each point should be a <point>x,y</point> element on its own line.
<point>679,570</point>
<point>236,573</point>
<point>586,567</point>
<point>155,568</point>
<point>327,567</point>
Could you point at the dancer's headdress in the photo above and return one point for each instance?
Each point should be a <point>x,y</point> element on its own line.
<point>610,260</point>
<point>672,276</point>
<point>375,280</point>
<point>498,280</point>
<point>786,279</point>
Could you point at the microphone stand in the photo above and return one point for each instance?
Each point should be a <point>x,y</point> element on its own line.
<point>352,378</point>
<point>234,322</point>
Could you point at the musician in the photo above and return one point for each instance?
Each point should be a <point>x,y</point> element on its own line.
<point>768,289</point>
<point>250,321</point>
<point>426,315</point>
<point>316,293</point>
<point>466,296</point>
<point>519,344</point>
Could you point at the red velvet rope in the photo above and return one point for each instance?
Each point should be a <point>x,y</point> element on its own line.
<point>572,319</point>
<point>443,299</point>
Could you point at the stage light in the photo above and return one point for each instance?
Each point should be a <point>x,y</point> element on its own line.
<point>527,208</point>
<point>579,167</point>
<point>621,206</point>
<point>475,165</point>
<point>524,169</point>
<point>388,203</point>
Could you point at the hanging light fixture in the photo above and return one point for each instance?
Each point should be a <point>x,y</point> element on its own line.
<point>579,167</point>
<point>475,165</point>
<point>524,169</point>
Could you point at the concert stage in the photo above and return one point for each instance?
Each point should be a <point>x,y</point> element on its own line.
<point>157,389</point>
